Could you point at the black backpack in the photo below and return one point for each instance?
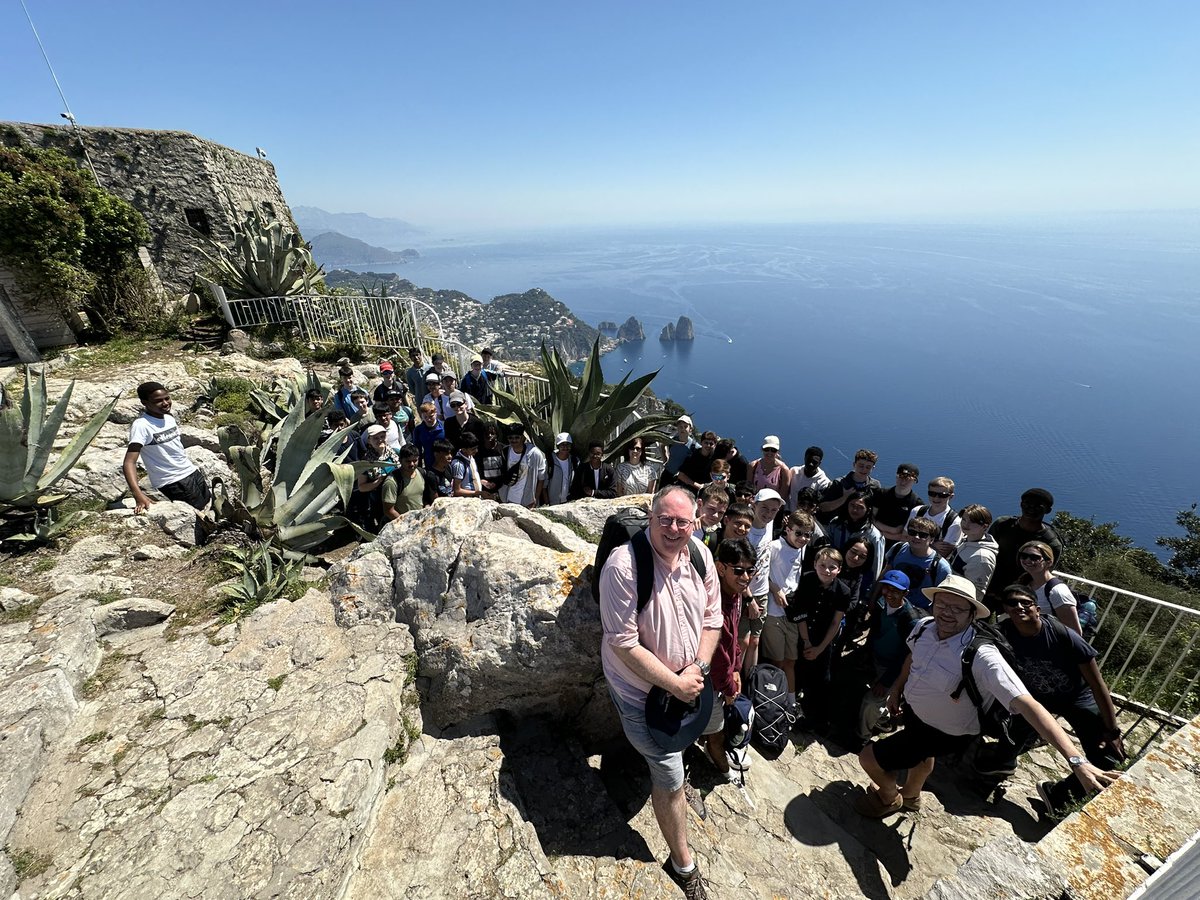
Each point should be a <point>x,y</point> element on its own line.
<point>767,690</point>
<point>993,721</point>
<point>628,526</point>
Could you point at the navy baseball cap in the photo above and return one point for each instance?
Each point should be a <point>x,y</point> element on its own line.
<point>896,579</point>
<point>674,724</point>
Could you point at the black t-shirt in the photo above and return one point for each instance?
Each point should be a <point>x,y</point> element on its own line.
<point>841,489</point>
<point>1049,662</point>
<point>1011,536</point>
<point>891,510</point>
<point>816,604</point>
<point>696,466</point>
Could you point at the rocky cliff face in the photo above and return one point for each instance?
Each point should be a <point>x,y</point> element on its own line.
<point>631,330</point>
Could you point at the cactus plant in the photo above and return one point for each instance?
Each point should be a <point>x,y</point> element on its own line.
<point>268,259</point>
<point>288,490</point>
<point>27,435</point>
<point>579,406</point>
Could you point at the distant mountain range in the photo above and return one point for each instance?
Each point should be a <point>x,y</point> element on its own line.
<point>391,233</point>
<point>331,248</point>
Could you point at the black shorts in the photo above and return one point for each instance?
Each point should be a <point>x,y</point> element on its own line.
<point>915,742</point>
<point>191,489</point>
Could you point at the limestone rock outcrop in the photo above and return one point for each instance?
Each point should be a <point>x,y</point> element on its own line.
<point>684,330</point>
<point>499,604</point>
<point>631,331</point>
<point>667,333</point>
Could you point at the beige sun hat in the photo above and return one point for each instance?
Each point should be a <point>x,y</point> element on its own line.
<point>959,587</point>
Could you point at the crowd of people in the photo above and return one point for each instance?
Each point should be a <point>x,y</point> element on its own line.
<point>875,603</point>
<point>905,628</point>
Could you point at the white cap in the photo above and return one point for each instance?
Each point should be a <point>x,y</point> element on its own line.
<point>373,430</point>
<point>563,438</point>
<point>770,442</point>
<point>686,419</point>
<point>767,494</point>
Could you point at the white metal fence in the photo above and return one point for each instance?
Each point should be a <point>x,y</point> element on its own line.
<point>1149,656</point>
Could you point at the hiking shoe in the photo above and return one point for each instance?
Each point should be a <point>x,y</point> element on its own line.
<point>994,770</point>
<point>1043,789</point>
<point>695,801</point>
<point>738,758</point>
<point>911,804</point>
<point>872,807</point>
<point>692,884</point>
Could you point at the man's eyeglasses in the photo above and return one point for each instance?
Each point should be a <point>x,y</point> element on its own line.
<point>941,495</point>
<point>953,610</point>
<point>679,522</point>
<point>1020,600</point>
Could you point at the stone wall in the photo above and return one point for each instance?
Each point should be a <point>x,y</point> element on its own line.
<point>41,320</point>
<point>176,180</point>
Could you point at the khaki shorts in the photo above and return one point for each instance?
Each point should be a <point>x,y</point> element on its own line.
<point>749,626</point>
<point>780,639</point>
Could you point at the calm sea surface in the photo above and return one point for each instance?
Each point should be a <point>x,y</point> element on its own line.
<point>1003,356</point>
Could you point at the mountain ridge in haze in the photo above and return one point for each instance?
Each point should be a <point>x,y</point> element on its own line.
<point>392,234</point>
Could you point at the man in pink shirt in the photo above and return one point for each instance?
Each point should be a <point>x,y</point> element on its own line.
<point>670,644</point>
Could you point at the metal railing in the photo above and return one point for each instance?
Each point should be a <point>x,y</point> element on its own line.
<point>1149,656</point>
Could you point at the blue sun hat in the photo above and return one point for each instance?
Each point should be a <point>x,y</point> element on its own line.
<point>674,724</point>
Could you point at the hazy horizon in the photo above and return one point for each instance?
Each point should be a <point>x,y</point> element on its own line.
<point>535,114</point>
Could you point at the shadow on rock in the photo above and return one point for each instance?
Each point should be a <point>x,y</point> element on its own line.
<point>567,801</point>
<point>886,841</point>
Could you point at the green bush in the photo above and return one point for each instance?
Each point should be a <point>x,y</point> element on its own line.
<point>68,240</point>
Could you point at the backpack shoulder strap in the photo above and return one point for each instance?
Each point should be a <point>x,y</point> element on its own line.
<point>922,626</point>
<point>643,568</point>
<point>968,676</point>
<point>697,557</point>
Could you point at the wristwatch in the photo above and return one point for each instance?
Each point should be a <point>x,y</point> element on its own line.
<point>704,667</point>
<point>1075,761</point>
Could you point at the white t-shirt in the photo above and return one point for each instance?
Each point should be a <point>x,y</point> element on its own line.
<point>953,535</point>
<point>162,452</point>
<point>760,540</point>
<point>800,481</point>
<point>937,671</point>
<point>1059,595</point>
<point>562,484</point>
<point>532,471</point>
<point>785,571</point>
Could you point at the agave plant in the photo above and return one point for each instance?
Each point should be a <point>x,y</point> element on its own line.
<point>268,259</point>
<point>261,574</point>
<point>48,526</point>
<point>288,490</point>
<point>27,435</point>
<point>579,406</point>
<point>276,401</point>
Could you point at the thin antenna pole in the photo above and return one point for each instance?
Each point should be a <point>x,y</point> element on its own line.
<point>68,115</point>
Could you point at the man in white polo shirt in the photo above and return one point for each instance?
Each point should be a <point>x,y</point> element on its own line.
<point>935,723</point>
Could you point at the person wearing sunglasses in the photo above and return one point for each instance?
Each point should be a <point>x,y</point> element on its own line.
<point>917,559</point>
<point>1060,669</point>
<point>781,637</point>
<point>940,491</point>
<point>769,471</point>
<point>735,565</point>
<point>1011,532</point>
<point>1053,595</point>
<point>938,723</point>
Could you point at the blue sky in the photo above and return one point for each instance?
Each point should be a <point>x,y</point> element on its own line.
<point>518,114</point>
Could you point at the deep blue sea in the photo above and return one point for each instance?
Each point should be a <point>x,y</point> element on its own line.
<point>1059,354</point>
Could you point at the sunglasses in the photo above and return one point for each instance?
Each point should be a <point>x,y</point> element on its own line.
<point>798,533</point>
<point>742,571</point>
<point>770,450</point>
<point>1026,602</point>
<point>1031,557</point>
<point>941,495</point>
<point>920,536</point>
